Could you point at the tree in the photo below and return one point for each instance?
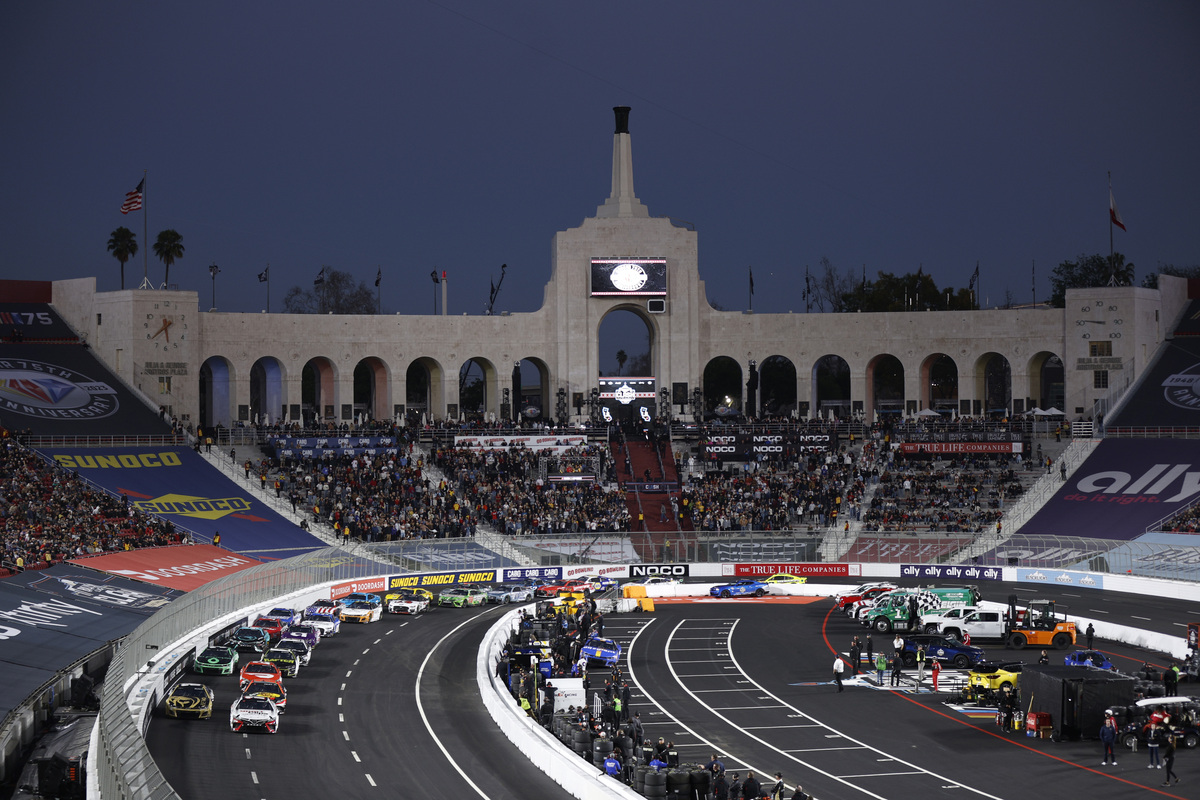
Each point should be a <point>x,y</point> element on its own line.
<point>1151,279</point>
<point>337,295</point>
<point>621,359</point>
<point>829,289</point>
<point>123,245</point>
<point>168,248</point>
<point>1087,271</point>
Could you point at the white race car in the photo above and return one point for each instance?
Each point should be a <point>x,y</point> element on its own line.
<point>406,603</point>
<point>505,593</point>
<point>326,619</point>
<point>302,649</point>
<point>254,713</point>
<point>362,611</point>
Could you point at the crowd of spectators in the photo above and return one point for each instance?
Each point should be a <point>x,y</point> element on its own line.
<point>393,497</point>
<point>49,514</point>
<point>1186,521</point>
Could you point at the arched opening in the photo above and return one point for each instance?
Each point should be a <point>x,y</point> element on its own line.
<point>939,384</point>
<point>371,388</point>
<point>993,384</point>
<point>318,396</point>
<point>266,390</point>
<point>777,386</point>
<point>216,393</point>
<point>623,339</point>
<point>885,385</point>
<point>477,390</point>
<point>831,387</point>
<point>722,388</point>
<point>531,389</point>
<point>1047,387</point>
<point>424,393</point>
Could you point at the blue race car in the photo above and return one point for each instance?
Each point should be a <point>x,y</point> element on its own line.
<point>1088,658</point>
<point>288,616</point>
<point>603,650</point>
<point>942,648</point>
<point>356,596</point>
<point>744,588</point>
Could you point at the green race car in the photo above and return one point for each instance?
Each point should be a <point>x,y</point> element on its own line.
<point>462,596</point>
<point>215,661</point>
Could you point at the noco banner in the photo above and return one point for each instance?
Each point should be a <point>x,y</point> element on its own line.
<point>751,446</point>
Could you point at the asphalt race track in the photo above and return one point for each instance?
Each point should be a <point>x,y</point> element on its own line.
<point>353,727</point>
<point>749,679</point>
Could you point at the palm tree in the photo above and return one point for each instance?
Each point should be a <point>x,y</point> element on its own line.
<point>621,359</point>
<point>167,248</point>
<point>123,245</point>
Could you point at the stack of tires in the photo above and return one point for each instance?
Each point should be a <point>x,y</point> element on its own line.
<point>581,742</point>
<point>602,748</point>
<point>654,784</point>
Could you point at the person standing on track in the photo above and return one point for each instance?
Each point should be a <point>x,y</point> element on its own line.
<point>1090,633</point>
<point>898,645</point>
<point>897,670</point>
<point>1108,736</point>
<point>776,792</point>
<point>934,671</point>
<point>920,664</point>
<point>1169,758</point>
<point>838,668</point>
<point>751,788</point>
<point>1154,738</point>
<point>855,656</point>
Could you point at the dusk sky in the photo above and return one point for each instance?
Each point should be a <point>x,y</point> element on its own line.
<point>462,134</point>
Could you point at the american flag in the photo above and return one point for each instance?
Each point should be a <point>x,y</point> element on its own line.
<point>133,200</point>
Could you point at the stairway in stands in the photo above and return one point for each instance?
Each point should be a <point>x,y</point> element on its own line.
<point>649,538</point>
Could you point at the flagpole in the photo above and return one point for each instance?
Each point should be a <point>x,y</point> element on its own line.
<point>268,287</point>
<point>1112,266</point>
<point>751,272</point>
<point>145,236</point>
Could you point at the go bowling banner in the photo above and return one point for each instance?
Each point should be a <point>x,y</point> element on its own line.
<point>176,484</point>
<point>182,567</point>
<point>1124,487</point>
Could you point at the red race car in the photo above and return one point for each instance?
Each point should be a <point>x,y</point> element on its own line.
<point>554,589</point>
<point>273,626</point>
<point>258,671</point>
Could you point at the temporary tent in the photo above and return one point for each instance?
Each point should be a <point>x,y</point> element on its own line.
<point>1075,697</point>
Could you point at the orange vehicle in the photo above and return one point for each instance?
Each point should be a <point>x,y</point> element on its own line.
<point>1037,625</point>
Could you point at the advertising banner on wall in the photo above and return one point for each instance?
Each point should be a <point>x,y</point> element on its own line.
<point>951,572</point>
<point>812,570</point>
<point>1123,487</point>
<point>1059,577</point>
<point>753,446</point>
<point>938,448</point>
<point>539,573</point>
<point>177,484</point>
<point>530,442</point>
<point>181,567</point>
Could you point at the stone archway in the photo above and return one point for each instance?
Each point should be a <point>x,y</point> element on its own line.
<point>318,391</point>
<point>939,384</point>
<point>885,385</point>
<point>831,387</point>
<point>216,392</point>
<point>267,397</point>
<point>372,388</point>
<point>993,384</point>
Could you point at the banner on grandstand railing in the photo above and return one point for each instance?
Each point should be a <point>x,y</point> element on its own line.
<point>179,567</point>
<point>960,436</point>
<point>961,447</point>
<point>607,571</point>
<point>953,572</point>
<point>1124,486</point>
<point>891,549</point>
<point>679,571</point>
<point>547,442</point>
<point>424,581</point>
<point>763,570</point>
<point>571,477</point>
<point>332,442</point>
<point>316,452</point>
<point>750,446</point>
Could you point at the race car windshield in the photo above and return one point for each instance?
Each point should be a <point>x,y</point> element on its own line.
<point>189,690</point>
<point>261,687</point>
<point>255,704</point>
<point>361,604</point>
<point>213,652</point>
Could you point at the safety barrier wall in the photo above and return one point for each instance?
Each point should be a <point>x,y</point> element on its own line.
<point>122,763</point>
<point>576,776</point>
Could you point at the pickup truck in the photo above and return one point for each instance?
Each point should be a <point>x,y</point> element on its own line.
<point>980,624</point>
<point>935,621</point>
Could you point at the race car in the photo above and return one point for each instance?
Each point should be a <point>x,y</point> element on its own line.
<point>253,713</point>
<point>942,648</point>
<point>746,587</point>
<point>405,603</point>
<point>652,580</point>
<point>287,661</point>
<point>461,596</point>
<point>603,650</point>
<point>248,639</point>
<point>326,618</point>
<point>533,583</point>
<point>288,616</point>
<point>301,649</point>
<point>506,593</point>
<point>599,583</point>
<point>303,632</point>
<point>272,690</point>
<point>272,626</point>
<point>1088,658</point>
<point>215,661</point>
<point>553,589</point>
<point>786,578</point>
<point>862,592</point>
<point>190,700</point>
<point>995,675</point>
<point>357,596</point>
<point>258,671</point>
<point>362,611</point>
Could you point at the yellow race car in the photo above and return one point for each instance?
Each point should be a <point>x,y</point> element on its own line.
<point>784,577</point>
<point>995,676</point>
<point>193,700</point>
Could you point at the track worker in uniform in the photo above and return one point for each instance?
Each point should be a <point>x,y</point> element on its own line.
<point>838,669</point>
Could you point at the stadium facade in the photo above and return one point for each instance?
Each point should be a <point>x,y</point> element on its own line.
<point>209,367</point>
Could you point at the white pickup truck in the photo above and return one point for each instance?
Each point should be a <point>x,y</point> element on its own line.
<point>980,624</point>
<point>936,620</point>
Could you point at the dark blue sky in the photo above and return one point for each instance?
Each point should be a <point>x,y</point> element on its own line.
<point>463,134</point>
